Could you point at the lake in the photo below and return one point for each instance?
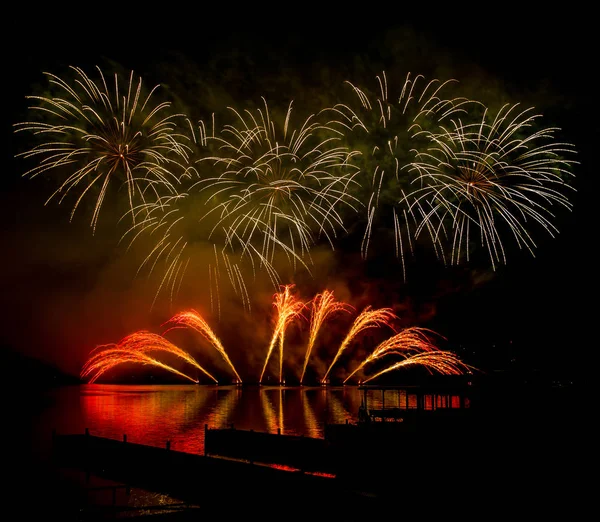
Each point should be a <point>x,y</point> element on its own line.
<point>155,414</point>
<point>539,436</point>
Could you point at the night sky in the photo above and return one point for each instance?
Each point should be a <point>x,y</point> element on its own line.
<point>65,290</point>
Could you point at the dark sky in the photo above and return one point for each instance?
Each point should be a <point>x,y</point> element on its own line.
<point>65,291</point>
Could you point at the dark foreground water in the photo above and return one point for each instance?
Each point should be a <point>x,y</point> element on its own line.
<point>554,423</point>
<point>155,414</point>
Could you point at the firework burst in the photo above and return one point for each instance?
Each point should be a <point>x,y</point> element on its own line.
<point>480,179</point>
<point>261,189</point>
<point>384,130</point>
<point>97,134</point>
<point>279,187</point>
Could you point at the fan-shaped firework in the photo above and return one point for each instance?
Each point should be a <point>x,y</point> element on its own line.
<point>477,178</point>
<point>383,131</point>
<point>194,320</point>
<point>98,134</point>
<point>322,306</point>
<point>288,308</point>
<point>368,318</point>
<point>135,348</point>
<point>439,361</point>
<point>111,357</point>
<point>414,345</point>
<point>405,343</point>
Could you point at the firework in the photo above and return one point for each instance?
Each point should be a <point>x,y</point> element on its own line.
<point>263,191</point>
<point>438,361</point>
<point>368,318</point>
<point>153,217</point>
<point>112,357</point>
<point>134,348</point>
<point>405,343</point>
<point>411,344</point>
<point>499,174</point>
<point>276,188</point>
<point>385,131</point>
<point>194,320</point>
<point>288,308</point>
<point>98,134</point>
<point>322,306</point>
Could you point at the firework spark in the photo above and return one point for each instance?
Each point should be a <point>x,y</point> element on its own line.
<point>112,357</point>
<point>322,306</point>
<point>288,308</point>
<point>279,187</point>
<point>194,320</point>
<point>134,348</point>
<point>414,345</point>
<point>386,131</point>
<point>440,361</point>
<point>477,178</point>
<point>368,318</point>
<point>105,135</point>
<point>263,192</point>
<point>405,343</point>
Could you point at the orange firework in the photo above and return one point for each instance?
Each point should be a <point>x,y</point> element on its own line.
<point>408,341</point>
<point>288,308</point>
<point>440,361</point>
<point>413,346</point>
<point>134,348</point>
<point>112,357</point>
<point>194,320</point>
<point>323,305</point>
<point>368,318</point>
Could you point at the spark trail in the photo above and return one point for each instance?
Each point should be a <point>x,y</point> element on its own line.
<point>279,187</point>
<point>493,176</point>
<point>387,130</point>
<point>408,341</point>
<point>322,306</point>
<point>194,320</point>
<point>368,318</point>
<point>439,361</point>
<point>95,136</point>
<point>288,308</point>
<point>117,356</point>
<point>134,348</point>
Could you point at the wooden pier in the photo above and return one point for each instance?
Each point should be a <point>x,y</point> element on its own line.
<point>402,456</point>
<point>238,483</point>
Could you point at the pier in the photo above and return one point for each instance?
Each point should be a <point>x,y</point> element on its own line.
<point>402,456</point>
<point>241,484</point>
